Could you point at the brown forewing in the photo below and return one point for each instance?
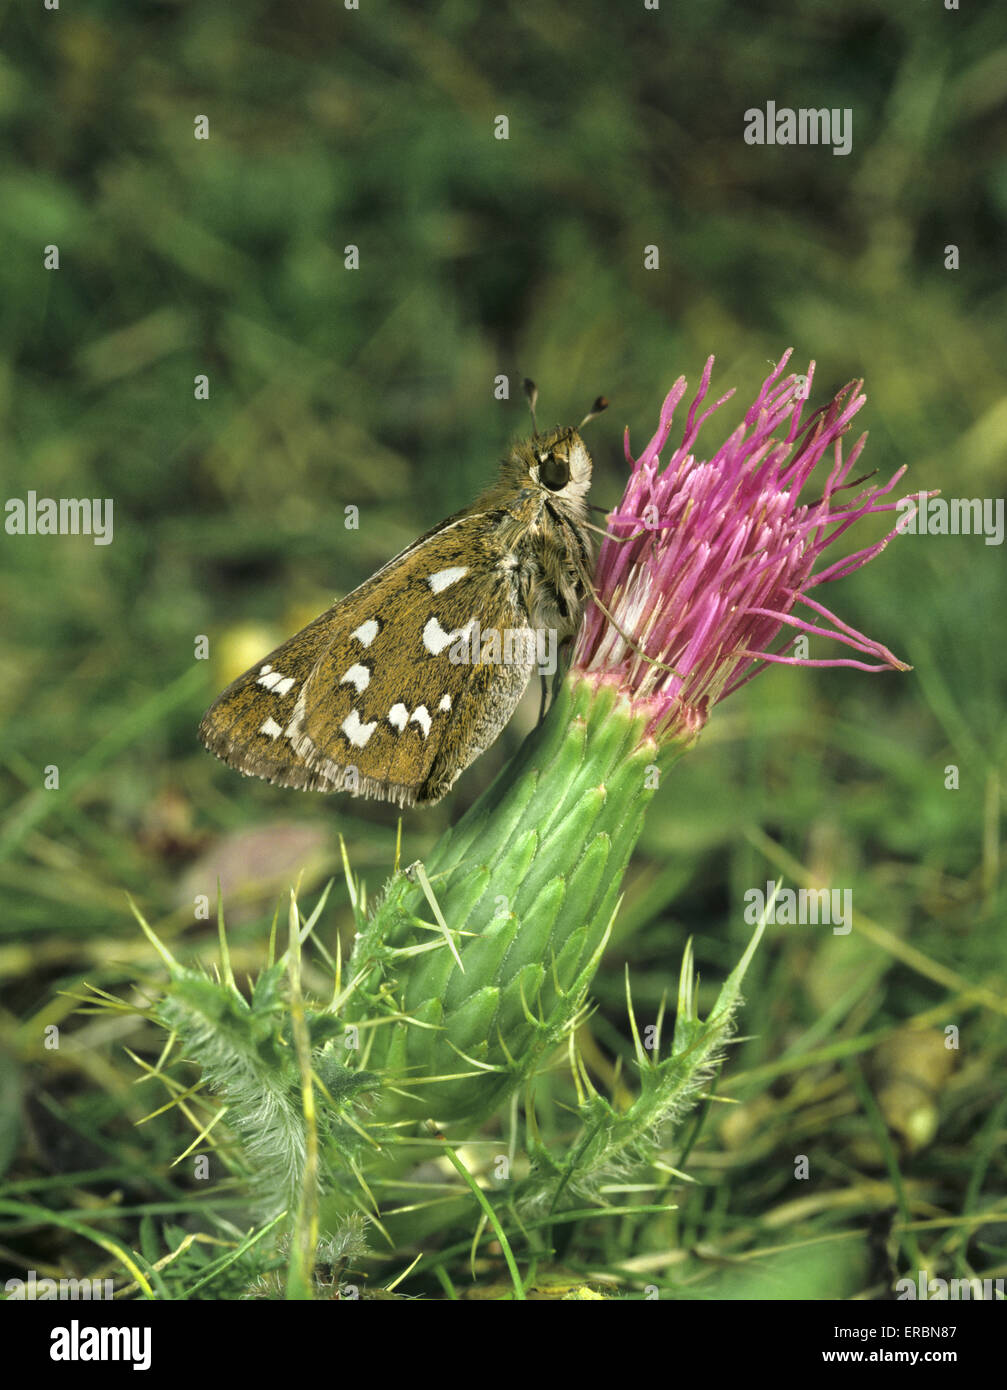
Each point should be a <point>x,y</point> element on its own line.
<point>401,743</point>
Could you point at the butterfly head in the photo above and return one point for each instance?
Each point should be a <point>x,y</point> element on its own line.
<point>555,465</point>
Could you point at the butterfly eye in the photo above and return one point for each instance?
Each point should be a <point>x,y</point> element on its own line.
<point>553,473</point>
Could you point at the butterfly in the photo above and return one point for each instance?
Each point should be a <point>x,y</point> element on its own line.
<point>399,686</point>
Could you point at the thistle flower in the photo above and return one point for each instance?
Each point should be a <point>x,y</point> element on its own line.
<point>715,557</point>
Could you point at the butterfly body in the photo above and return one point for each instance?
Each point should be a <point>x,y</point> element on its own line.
<point>400,685</point>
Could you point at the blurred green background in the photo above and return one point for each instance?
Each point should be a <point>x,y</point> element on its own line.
<point>375,387</point>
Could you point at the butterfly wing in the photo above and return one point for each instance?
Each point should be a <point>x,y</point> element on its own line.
<point>367,698</point>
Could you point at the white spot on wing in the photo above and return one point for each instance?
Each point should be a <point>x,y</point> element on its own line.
<point>421,716</point>
<point>271,728</point>
<point>435,639</point>
<point>367,632</point>
<point>358,676</point>
<point>275,681</point>
<point>398,717</point>
<point>445,703</point>
<point>355,731</point>
<point>443,579</point>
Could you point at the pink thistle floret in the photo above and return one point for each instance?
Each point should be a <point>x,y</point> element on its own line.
<point>719,554</point>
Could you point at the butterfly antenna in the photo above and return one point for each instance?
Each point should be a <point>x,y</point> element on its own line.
<point>531,391</point>
<point>599,407</point>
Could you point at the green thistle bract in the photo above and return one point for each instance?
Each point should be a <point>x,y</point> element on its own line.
<point>527,884</point>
